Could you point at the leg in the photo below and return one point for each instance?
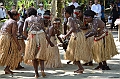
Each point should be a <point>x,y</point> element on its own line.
<point>99,66</point>
<point>88,64</point>
<point>81,69</point>
<point>42,68</point>
<point>104,66</point>
<point>35,64</point>
<point>19,66</point>
<point>8,71</point>
<point>68,62</point>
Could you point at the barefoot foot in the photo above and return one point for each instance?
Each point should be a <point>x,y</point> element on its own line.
<point>43,74</point>
<point>79,71</point>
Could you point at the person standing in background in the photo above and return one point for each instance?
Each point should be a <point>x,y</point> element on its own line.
<point>89,5</point>
<point>114,13</point>
<point>102,12</point>
<point>2,11</point>
<point>41,10</point>
<point>74,3</point>
<point>97,9</point>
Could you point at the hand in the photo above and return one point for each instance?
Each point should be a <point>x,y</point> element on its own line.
<point>86,36</point>
<point>62,36</point>
<point>51,44</point>
<point>19,47</point>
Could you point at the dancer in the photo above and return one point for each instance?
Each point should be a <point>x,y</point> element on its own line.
<point>76,49</point>
<point>9,45</point>
<point>53,56</point>
<point>104,47</point>
<point>36,41</point>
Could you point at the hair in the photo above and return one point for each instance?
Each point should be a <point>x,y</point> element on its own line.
<point>79,8</point>
<point>69,9</point>
<point>12,13</point>
<point>47,12</point>
<point>32,4</point>
<point>32,11</point>
<point>89,13</point>
<point>57,19</point>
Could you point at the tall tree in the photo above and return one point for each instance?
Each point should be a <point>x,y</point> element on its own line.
<point>59,8</point>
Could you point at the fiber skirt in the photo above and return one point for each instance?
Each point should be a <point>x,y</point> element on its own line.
<point>52,56</point>
<point>9,54</point>
<point>77,48</point>
<point>104,49</point>
<point>89,42</point>
<point>32,50</point>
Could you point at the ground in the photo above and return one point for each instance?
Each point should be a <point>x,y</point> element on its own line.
<point>67,72</point>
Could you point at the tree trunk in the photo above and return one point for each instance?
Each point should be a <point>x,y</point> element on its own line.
<point>59,8</point>
<point>54,9</point>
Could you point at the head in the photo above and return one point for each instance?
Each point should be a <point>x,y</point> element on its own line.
<point>56,22</point>
<point>78,12</point>
<point>89,15</point>
<point>31,11</point>
<point>96,1</point>
<point>41,6</point>
<point>46,17</point>
<point>69,11</point>
<point>22,5</point>
<point>13,6</point>
<point>73,1</point>
<point>13,14</point>
<point>90,2</point>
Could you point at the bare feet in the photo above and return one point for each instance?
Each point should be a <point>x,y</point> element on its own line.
<point>68,62</point>
<point>7,71</point>
<point>79,71</point>
<point>98,67</point>
<point>36,75</point>
<point>43,74</point>
<point>19,67</point>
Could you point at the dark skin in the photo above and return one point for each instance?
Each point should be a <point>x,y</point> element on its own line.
<point>83,27</point>
<point>73,29</point>
<point>37,61</point>
<point>20,29</point>
<point>10,26</point>
<point>54,30</point>
<point>97,30</point>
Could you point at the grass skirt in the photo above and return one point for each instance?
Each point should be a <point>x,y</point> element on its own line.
<point>32,51</point>
<point>77,48</point>
<point>22,51</point>
<point>104,49</point>
<point>111,45</point>
<point>9,54</point>
<point>90,42</point>
<point>53,56</point>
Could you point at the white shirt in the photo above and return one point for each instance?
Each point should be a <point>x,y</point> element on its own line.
<point>97,9</point>
<point>75,4</point>
<point>41,11</point>
<point>2,13</point>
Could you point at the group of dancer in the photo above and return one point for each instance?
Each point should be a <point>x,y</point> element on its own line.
<point>89,40</point>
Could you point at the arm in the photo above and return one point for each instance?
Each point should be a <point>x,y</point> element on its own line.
<point>47,35</point>
<point>59,37</point>
<point>25,28</point>
<point>72,28</point>
<point>93,31</point>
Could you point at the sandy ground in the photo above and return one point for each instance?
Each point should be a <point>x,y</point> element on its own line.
<point>67,72</point>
